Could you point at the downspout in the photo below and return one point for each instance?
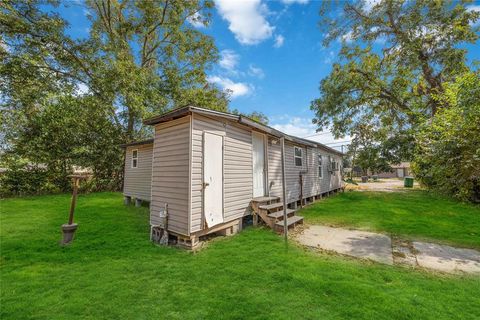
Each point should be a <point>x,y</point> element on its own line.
<point>284,191</point>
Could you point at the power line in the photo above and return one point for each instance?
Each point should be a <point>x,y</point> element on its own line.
<point>317,134</point>
<point>337,142</point>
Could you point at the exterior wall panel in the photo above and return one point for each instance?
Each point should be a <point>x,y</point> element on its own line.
<point>137,181</point>
<point>312,183</point>
<point>237,171</point>
<point>170,173</point>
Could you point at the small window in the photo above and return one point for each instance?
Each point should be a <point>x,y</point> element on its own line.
<point>298,156</point>
<point>134,158</point>
<point>320,169</point>
<point>332,164</point>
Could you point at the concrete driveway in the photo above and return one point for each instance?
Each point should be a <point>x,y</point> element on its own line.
<point>383,185</point>
<point>380,248</point>
<point>360,244</point>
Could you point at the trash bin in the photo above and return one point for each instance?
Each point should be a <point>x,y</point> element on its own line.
<point>364,179</point>
<point>408,182</point>
<point>375,178</point>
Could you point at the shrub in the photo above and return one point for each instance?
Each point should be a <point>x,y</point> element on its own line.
<point>448,152</point>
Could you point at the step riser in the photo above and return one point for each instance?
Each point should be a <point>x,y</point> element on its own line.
<point>292,222</point>
<point>280,218</point>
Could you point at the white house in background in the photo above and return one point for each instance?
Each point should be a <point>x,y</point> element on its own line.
<point>212,168</point>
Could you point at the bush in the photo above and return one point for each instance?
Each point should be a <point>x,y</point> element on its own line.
<point>448,152</point>
<point>22,178</point>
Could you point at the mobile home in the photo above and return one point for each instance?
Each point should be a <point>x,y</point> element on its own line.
<point>211,169</point>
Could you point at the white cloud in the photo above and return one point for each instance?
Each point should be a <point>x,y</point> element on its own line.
<point>279,40</point>
<point>228,59</point>
<point>295,1</point>
<point>369,4</point>
<point>237,89</point>
<point>82,89</point>
<point>474,8</point>
<point>196,20</point>
<point>304,128</point>
<point>256,72</point>
<point>329,57</point>
<point>348,37</point>
<point>246,20</point>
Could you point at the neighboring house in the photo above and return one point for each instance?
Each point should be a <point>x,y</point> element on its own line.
<point>399,170</point>
<point>209,167</point>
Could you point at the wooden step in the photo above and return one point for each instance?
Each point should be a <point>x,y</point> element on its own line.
<point>279,214</point>
<point>291,222</point>
<point>276,205</point>
<point>265,199</point>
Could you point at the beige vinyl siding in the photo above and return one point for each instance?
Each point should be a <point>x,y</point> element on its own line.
<point>170,173</point>
<point>335,177</point>
<point>312,184</point>
<point>274,157</point>
<point>137,181</point>
<point>292,172</point>
<point>237,171</point>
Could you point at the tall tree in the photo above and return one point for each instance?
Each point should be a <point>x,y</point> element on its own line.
<point>154,57</point>
<point>141,57</point>
<point>394,57</point>
<point>71,101</point>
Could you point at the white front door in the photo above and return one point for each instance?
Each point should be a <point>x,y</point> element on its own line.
<point>258,146</point>
<point>400,172</point>
<point>213,178</point>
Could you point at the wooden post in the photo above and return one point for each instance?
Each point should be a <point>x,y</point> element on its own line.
<point>284,190</point>
<point>76,180</point>
<point>69,228</point>
<point>301,190</point>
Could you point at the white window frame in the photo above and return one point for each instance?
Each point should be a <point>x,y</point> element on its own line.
<point>320,166</point>
<point>295,157</point>
<point>134,158</point>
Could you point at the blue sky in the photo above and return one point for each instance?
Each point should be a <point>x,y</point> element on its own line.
<point>271,56</point>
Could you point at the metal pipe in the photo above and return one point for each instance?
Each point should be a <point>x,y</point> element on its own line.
<point>74,199</point>
<point>284,190</point>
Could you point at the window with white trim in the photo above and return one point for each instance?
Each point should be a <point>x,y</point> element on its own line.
<point>134,158</point>
<point>320,168</point>
<point>298,157</point>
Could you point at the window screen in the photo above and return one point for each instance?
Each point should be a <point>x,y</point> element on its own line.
<point>134,158</point>
<point>298,156</point>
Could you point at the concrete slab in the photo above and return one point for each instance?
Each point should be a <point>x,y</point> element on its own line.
<point>447,259</point>
<point>360,244</point>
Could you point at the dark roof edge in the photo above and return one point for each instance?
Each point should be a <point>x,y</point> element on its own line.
<point>136,143</point>
<point>238,118</point>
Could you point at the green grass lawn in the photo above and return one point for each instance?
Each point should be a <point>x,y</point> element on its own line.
<point>113,271</point>
<point>416,214</point>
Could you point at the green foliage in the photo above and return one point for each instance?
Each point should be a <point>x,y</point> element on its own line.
<point>257,116</point>
<point>370,159</point>
<point>68,131</point>
<point>112,271</point>
<point>392,88</point>
<point>448,153</point>
<point>141,58</point>
<point>22,177</point>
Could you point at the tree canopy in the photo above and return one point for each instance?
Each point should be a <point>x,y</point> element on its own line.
<point>141,57</point>
<point>399,88</point>
<point>394,57</point>
<point>68,101</point>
